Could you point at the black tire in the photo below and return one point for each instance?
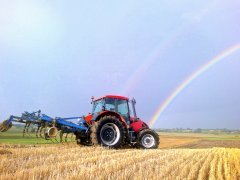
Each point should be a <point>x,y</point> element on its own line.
<point>147,139</point>
<point>109,131</point>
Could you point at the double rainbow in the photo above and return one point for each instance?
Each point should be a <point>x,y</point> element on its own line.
<point>190,79</point>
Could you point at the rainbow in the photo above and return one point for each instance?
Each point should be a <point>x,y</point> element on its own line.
<point>156,54</point>
<point>190,79</point>
<point>140,71</point>
<point>152,58</point>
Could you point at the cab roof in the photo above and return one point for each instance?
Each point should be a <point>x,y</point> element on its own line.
<point>112,96</point>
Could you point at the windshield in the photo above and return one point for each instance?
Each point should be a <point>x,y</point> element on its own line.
<point>97,106</point>
<point>110,104</point>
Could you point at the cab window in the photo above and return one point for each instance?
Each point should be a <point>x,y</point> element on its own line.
<point>110,104</point>
<point>122,107</point>
<point>98,105</point>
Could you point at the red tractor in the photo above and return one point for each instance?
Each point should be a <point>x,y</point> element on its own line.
<point>113,124</point>
<point>110,124</point>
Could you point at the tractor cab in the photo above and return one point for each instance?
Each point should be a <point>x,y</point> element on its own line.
<point>116,104</point>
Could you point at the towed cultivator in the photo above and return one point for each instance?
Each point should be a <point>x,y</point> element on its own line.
<point>47,128</point>
<point>110,124</point>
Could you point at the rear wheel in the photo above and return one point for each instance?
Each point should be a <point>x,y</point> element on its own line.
<point>108,131</point>
<point>147,139</point>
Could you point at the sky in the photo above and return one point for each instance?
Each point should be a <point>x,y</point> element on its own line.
<point>55,55</point>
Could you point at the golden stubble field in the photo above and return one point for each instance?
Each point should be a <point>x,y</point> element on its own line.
<point>69,161</point>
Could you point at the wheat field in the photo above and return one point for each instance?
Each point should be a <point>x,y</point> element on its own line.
<point>74,162</point>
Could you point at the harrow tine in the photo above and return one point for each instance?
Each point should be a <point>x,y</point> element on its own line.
<point>52,140</point>
<point>66,136</point>
<point>72,139</point>
<point>37,131</point>
<point>59,139</point>
<point>61,136</point>
<point>56,140</point>
<point>40,132</point>
<point>2,128</point>
<point>27,129</point>
<point>45,134</point>
<point>24,130</point>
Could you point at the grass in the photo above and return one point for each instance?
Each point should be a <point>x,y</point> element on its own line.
<point>15,136</point>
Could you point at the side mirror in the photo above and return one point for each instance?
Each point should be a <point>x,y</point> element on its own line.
<point>92,99</point>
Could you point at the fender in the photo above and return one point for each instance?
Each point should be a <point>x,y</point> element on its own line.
<point>138,125</point>
<point>108,113</point>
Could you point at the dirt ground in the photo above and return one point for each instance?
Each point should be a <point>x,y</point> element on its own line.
<point>212,143</point>
<point>176,141</point>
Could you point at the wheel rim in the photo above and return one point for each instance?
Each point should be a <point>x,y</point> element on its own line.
<point>148,141</point>
<point>110,134</point>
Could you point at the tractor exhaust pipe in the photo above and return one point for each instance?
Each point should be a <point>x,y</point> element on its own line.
<point>133,108</point>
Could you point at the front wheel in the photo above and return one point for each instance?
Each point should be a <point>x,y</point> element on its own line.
<point>148,139</point>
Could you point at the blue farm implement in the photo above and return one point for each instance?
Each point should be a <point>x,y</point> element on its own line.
<point>112,123</point>
<point>47,127</point>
